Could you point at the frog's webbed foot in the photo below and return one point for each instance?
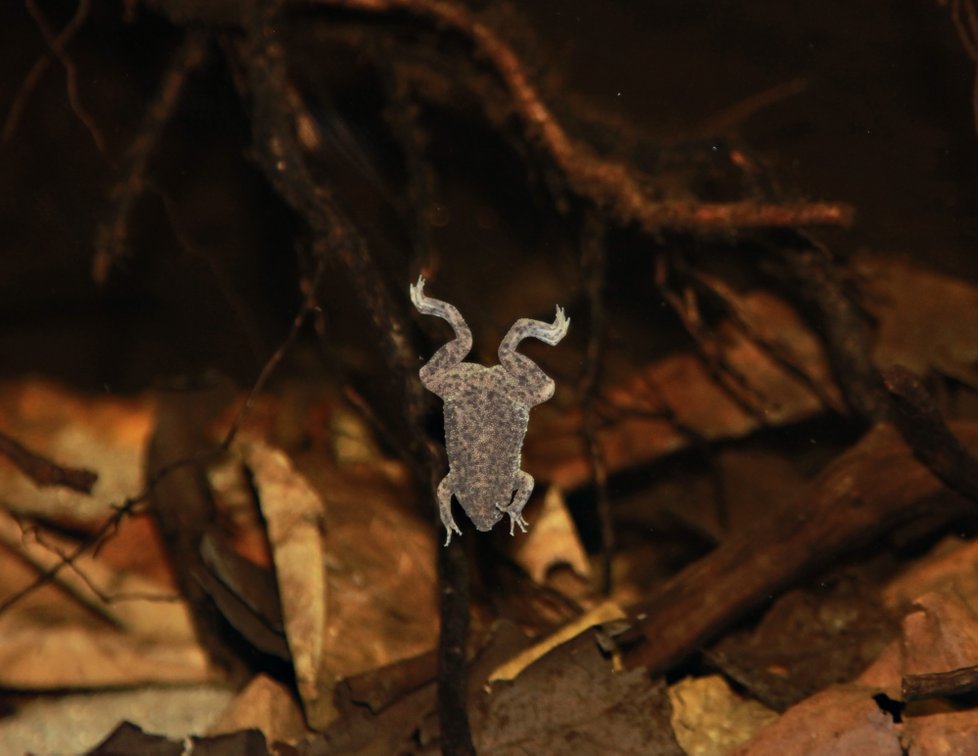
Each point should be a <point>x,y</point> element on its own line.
<point>526,328</point>
<point>431,306</point>
<point>556,330</point>
<point>418,299</point>
<point>445,508</point>
<point>537,386</point>
<point>524,487</point>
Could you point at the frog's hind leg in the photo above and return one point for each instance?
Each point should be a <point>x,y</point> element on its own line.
<point>445,507</point>
<point>454,351</point>
<point>539,385</point>
<point>524,487</point>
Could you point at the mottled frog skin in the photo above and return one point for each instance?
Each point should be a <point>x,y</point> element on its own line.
<point>486,414</point>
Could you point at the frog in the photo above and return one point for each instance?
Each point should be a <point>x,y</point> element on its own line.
<point>486,414</point>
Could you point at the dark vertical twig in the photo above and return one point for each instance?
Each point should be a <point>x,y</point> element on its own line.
<point>403,114</point>
<point>112,236</point>
<point>453,612</point>
<point>593,264</point>
<point>277,113</point>
<point>965,19</point>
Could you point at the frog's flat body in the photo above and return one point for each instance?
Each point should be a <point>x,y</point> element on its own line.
<point>487,411</point>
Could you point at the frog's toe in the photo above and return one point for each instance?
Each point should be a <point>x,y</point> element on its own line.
<point>450,527</point>
<point>517,519</point>
<point>417,292</point>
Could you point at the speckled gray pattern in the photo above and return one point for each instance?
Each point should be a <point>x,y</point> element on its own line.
<point>486,415</point>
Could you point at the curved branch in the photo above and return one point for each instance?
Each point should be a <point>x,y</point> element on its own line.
<point>607,183</point>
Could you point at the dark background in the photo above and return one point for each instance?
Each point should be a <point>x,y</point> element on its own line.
<point>874,110</point>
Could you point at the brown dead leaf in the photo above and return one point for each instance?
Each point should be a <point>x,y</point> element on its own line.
<point>65,636</point>
<point>709,719</point>
<point>374,554</point>
<point>294,513</point>
<point>137,605</point>
<point>939,727</point>
<point>950,568</point>
<point>926,321</point>
<point>101,433</point>
<point>805,642</point>
<point>127,738</point>
<point>50,655</point>
<point>941,635</point>
<point>572,701</point>
<point>655,412</point>
<point>884,674</point>
<point>609,611</point>
<point>843,719</point>
<point>380,574</point>
<point>265,705</point>
<point>552,540</point>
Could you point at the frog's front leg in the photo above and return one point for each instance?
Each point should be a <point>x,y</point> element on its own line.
<point>445,506</point>
<point>524,487</point>
<point>539,386</point>
<point>452,353</point>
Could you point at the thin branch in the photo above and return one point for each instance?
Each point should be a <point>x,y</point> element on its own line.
<point>41,65</point>
<point>57,47</point>
<point>128,506</point>
<point>593,263</point>
<point>619,191</point>
<point>309,306</point>
<point>106,598</point>
<point>940,684</point>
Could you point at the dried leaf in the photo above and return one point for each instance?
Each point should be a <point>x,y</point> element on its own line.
<point>941,636</point>
<point>101,433</point>
<point>926,321</point>
<point>129,739</point>
<point>75,722</point>
<point>606,612</point>
<point>50,655</point>
<point>805,642</point>
<point>884,674</point>
<point>709,719</point>
<point>265,705</point>
<point>572,701</point>
<point>950,568</point>
<point>843,719</point>
<point>656,411</point>
<point>67,636</point>
<point>552,540</point>
<point>939,727</point>
<point>145,607</point>
<point>294,512</point>
<point>379,567</point>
